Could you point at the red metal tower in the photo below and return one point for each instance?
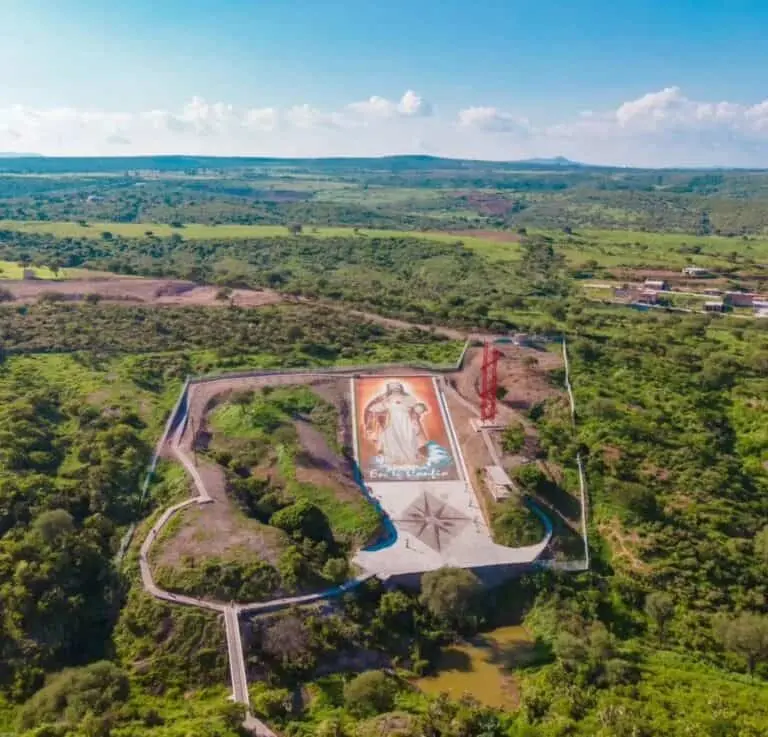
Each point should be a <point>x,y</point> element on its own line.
<point>489,382</point>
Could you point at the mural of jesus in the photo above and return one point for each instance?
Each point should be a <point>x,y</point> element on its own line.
<point>393,423</point>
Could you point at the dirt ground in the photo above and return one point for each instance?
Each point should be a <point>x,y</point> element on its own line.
<point>136,290</point>
<point>522,372</point>
<point>220,531</point>
<point>673,277</point>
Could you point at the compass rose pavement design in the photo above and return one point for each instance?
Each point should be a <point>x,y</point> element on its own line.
<point>433,522</point>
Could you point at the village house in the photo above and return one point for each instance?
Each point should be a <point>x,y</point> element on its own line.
<point>695,271</point>
<point>657,284</point>
<point>647,297</point>
<point>739,299</point>
<point>714,306</point>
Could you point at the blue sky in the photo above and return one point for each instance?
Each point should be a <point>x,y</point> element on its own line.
<point>538,63</point>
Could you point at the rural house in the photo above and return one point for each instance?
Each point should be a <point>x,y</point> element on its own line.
<point>656,284</point>
<point>695,271</point>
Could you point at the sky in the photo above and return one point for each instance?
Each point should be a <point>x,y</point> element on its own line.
<point>621,82</point>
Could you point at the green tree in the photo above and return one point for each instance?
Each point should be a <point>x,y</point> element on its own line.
<point>450,595</point>
<point>746,636</point>
<point>370,693</point>
<point>660,608</point>
<point>513,437</point>
<point>761,545</point>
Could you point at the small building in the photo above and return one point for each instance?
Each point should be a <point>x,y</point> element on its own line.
<point>760,303</point>
<point>695,271</point>
<point>739,299</point>
<point>761,312</point>
<point>648,297</point>
<point>714,306</point>
<point>657,284</point>
<point>28,274</point>
<point>499,484</point>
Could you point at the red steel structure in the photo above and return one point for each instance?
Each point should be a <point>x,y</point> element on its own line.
<point>489,382</point>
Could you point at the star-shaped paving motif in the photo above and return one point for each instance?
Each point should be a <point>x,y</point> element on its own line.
<point>433,522</point>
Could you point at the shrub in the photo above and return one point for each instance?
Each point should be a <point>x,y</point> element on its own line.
<point>74,692</point>
<point>370,693</point>
<point>449,594</point>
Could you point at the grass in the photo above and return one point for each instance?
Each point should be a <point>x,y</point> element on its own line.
<point>195,231</point>
<point>267,416</point>
<point>609,248</point>
<point>11,270</point>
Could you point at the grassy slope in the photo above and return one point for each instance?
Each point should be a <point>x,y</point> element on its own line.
<point>349,519</point>
<point>12,271</point>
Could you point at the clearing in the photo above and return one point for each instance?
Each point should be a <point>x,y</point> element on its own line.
<point>137,290</point>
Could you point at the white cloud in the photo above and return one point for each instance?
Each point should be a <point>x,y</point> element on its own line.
<point>492,119</point>
<point>662,128</point>
<point>410,105</point>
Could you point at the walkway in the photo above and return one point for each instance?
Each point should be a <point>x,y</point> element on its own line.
<point>231,612</point>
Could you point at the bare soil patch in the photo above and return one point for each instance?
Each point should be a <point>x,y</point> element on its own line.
<point>320,465</point>
<point>217,530</point>
<point>133,290</point>
<point>523,372</point>
<point>624,545</point>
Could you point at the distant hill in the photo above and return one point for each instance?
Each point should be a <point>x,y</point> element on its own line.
<point>556,161</point>
<point>36,164</point>
<point>19,163</point>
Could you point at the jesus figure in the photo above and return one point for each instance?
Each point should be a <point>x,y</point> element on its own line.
<point>393,422</point>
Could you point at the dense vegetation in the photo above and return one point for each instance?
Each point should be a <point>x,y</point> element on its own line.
<point>399,192</point>
<point>296,335</point>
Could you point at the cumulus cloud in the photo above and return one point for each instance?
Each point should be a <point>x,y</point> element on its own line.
<point>491,119</point>
<point>662,128</point>
<point>410,105</point>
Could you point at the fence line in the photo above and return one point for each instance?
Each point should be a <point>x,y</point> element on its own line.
<point>580,465</point>
<point>151,468</point>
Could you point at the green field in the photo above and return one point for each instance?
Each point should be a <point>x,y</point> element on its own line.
<point>10,270</point>
<point>607,247</point>
<point>194,231</point>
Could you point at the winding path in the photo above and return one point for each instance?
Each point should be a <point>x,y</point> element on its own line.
<point>232,611</point>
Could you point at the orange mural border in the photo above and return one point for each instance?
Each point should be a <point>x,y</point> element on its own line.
<point>423,389</point>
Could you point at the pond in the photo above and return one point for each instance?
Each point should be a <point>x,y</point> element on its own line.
<point>483,667</point>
